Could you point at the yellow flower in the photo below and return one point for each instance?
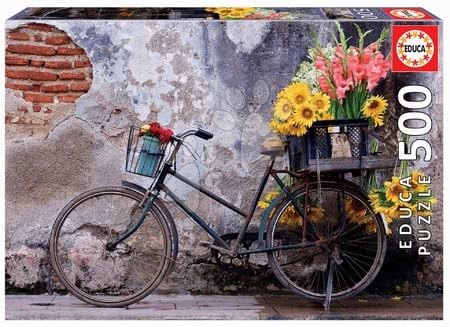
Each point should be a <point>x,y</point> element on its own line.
<point>263,204</point>
<point>231,12</point>
<point>305,114</point>
<point>394,189</point>
<point>394,212</point>
<point>415,185</point>
<point>321,102</point>
<point>355,210</point>
<point>293,128</point>
<point>283,109</point>
<point>315,214</point>
<point>276,126</point>
<point>374,108</point>
<point>271,195</point>
<point>281,94</point>
<point>326,116</point>
<point>290,217</point>
<point>378,120</point>
<point>298,93</point>
<point>240,12</point>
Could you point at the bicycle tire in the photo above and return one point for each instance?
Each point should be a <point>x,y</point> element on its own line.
<point>77,247</point>
<point>313,260</point>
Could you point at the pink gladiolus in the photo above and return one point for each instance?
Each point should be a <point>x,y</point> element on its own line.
<point>340,92</point>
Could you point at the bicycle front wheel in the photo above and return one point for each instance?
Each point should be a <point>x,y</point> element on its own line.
<point>344,228</point>
<point>111,277</point>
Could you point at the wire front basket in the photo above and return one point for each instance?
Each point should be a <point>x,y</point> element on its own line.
<point>144,153</point>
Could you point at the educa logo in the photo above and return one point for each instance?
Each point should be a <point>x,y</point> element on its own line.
<point>415,48</point>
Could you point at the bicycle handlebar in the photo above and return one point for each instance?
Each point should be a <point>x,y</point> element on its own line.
<point>196,132</point>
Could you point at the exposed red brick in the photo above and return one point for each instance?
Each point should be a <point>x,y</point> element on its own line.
<point>57,40</point>
<point>37,38</point>
<point>36,63</point>
<point>70,51</point>
<point>21,87</point>
<point>82,64</point>
<point>39,98</point>
<point>34,75</point>
<point>36,87</point>
<point>31,49</point>
<point>41,27</point>
<point>58,64</point>
<point>21,120</point>
<point>55,88</point>
<point>22,109</point>
<point>16,62</point>
<point>72,76</point>
<point>81,86</point>
<point>18,36</point>
<point>37,108</point>
<point>48,111</point>
<point>68,98</point>
<point>8,119</point>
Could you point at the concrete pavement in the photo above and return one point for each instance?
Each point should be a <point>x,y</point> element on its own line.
<point>57,307</point>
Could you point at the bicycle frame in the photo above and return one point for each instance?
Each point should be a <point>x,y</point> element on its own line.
<point>159,185</point>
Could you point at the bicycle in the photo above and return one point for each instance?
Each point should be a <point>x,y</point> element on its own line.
<point>112,246</point>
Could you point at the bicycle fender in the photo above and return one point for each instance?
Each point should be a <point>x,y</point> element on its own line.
<point>266,216</point>
<point>134,186</point>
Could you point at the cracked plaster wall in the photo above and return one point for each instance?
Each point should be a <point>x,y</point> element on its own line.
<point>220,76</point>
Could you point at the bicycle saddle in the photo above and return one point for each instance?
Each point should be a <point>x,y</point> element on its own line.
<point>273,147</point>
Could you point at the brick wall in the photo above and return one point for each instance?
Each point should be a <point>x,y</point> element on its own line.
<point>45,68</point>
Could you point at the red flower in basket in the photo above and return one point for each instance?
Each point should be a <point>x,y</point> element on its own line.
<point>155,129</point>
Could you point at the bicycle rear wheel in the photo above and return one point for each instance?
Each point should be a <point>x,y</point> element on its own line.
<point>354,237</point>
<point>120,276</point>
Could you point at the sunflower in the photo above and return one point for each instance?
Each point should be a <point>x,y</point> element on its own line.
<point>290,217</point>
<point>283,109</point>
<point>293,128</point>
<point>378,120</point>
<point>268,198</point>
<point>276,126</point>
<point>326,116</point>
<point>231,12</point>
<point>374,107</point>
<point>298,93</point>
<point>321,102</point>
<point>395,211</point>
<point>305,114</point>
<point>315,214</point>
<point>355,210</point>
<point>394,189</point>
<point>281,94</point>
<point>415,182</point>
<point>240,12</point>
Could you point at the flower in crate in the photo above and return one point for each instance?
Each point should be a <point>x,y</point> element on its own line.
<point>305,114</point>
<point>351,73</point>
<point>296,109</point>
<point>321,102</point>
<point>283,109</point>
<point>292,127</point>
<point>298,94</point>
<point>374,109</point>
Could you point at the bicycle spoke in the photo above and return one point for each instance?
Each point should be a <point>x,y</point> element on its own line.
<point>103,277</point>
